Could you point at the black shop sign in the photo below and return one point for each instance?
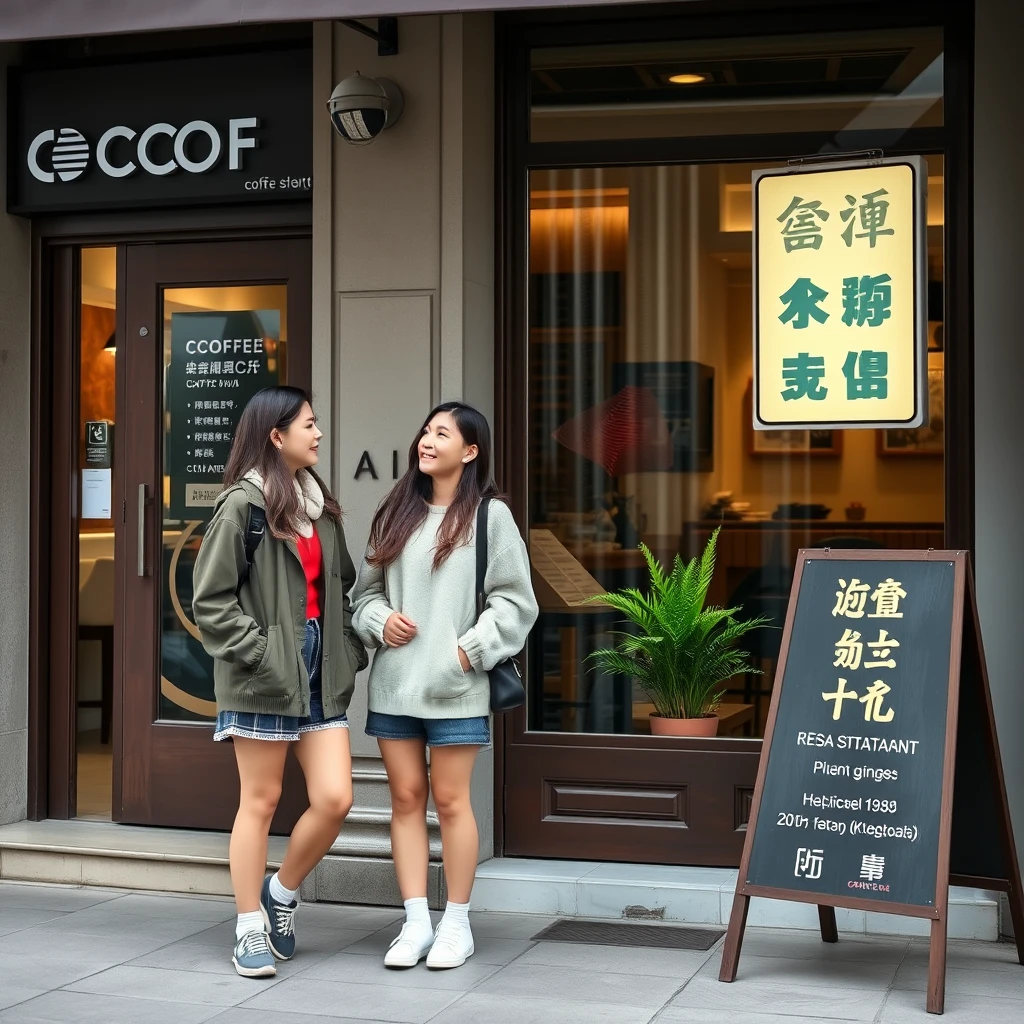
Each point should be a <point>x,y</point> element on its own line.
<point>215,129</point>
<point>880,783</point>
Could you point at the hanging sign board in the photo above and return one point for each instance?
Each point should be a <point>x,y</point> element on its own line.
<point>840,295</point>
<point>881,699</point>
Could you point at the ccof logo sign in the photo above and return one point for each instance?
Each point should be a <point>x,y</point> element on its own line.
<point>69,156</point>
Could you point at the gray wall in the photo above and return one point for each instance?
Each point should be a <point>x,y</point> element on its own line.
<point>403,315</point>
<point>999,369</point>
<point>14,496</point>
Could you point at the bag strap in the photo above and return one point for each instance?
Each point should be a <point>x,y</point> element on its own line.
<point>481,555</point>
<point>254,531</point>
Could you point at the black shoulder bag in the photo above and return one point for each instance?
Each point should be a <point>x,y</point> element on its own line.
<point>507,690</point>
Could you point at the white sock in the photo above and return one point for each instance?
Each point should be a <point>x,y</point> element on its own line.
<point>251,922</point>
<point>457,912</point>
<point>280,893</point>
<point>417,911</point>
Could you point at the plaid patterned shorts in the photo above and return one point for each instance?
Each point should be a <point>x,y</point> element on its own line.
<point>286,728</point>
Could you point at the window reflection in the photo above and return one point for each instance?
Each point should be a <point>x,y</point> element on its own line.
<point>640,365</point>
<point>878,81</point>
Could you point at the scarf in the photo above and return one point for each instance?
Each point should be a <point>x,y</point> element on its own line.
<point>311,500</point>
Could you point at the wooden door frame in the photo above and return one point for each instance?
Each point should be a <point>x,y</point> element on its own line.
<point>54,394</point>
<point>516,33</point>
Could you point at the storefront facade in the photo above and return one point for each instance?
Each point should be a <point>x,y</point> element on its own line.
<point>559,223</point>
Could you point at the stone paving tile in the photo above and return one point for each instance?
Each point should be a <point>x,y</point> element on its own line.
<point>365,970</point>
<point>356,1002</point>
<point>843,1003</point>
<point>700,1015</point>
<point>55,897</point>
<point>78,1008</point>
<point>489,950</point>
<point>46,943</point>
<point>13,992</point>
<point>906,1007</point>
<point>41,972</point>
<point>971,955</point>
<point>806,944</point>
<point>247,1015</point>
<point>477,1008</point>
<point>913,977</point>
<point>187,955</point>
<point>807,972</point>
<point>17,919</point>
<point>662,963</point>
<point>563,985</point>
<point>173,986</point>
<point>508,926</point>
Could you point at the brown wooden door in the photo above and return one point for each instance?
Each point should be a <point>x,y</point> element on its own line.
<point>184,387</point>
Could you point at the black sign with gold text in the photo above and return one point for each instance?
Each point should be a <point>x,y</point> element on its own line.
<point>852,793</point>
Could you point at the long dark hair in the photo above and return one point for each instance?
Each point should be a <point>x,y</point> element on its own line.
<point>270,409</point>
<point>402,512</point>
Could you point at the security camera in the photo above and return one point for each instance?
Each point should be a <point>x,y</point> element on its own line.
<point>361,108</point>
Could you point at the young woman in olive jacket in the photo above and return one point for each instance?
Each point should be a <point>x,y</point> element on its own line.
<point>285,658</point>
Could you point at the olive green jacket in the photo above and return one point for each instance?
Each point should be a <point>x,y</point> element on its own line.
<point>254,624</point>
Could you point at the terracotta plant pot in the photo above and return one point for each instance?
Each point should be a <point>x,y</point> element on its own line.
<point>706,726</point>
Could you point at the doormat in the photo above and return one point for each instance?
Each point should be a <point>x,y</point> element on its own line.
<point>607,933</point>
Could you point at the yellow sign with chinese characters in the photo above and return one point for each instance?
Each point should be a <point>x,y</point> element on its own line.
<point>840,276</point>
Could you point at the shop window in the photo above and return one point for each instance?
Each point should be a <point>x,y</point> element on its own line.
<point>836,83</point>
<point>640,364</point>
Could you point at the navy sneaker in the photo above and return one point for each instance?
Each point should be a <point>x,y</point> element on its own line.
<point>279,919</point>
<point>252,957</point>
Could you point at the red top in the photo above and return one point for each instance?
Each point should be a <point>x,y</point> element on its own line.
<point>313,566</point>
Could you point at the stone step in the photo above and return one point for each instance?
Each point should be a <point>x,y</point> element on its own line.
<point>653,892</point>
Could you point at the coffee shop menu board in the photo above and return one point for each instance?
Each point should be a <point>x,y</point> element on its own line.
<point>219,360</point>
<point>854,798</point>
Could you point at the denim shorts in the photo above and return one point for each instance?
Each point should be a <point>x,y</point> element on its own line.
<point>287,728</point>
<point>435,732</point>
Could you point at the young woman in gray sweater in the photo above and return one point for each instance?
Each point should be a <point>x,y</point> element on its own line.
<point>415,600</point>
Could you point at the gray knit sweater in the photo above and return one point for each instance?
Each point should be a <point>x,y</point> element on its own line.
<point>424,678</point>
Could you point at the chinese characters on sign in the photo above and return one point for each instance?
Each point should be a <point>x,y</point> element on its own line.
<point>219,360</point>
<point>848,806</point>
<point>839,338</point>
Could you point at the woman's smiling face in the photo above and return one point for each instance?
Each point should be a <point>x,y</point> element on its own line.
<point>443,451</point>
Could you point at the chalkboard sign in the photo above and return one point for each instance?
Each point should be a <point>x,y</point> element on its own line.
<point>854,802</point>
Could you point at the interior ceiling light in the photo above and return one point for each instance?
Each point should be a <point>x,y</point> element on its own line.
<point>688,78</point>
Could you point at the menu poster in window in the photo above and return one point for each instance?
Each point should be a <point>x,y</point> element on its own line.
<point>219,360</point>
<point>840,295</point>
<point>881,660</point>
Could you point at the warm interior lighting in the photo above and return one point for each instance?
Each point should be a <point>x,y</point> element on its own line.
<point>111,344</point>
<point>688,78</point>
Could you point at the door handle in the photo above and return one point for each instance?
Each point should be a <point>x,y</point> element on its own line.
<point>142,529</point>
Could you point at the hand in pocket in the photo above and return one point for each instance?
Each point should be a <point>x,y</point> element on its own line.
<point>464,661</point>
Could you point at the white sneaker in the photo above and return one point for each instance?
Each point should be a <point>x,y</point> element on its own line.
<point>453,946</point>
<point>410,947</point>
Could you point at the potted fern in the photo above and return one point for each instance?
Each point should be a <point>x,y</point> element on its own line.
<point>680,653</point>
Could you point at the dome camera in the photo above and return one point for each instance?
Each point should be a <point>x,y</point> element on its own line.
<point>361,108</point>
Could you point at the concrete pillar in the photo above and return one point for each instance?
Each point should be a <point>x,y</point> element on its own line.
<point>999,370</point>
<point>403,315</point>
<point>15,391</point>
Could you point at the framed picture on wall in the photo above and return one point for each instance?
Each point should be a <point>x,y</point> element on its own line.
<point>927,440</point>
<point>767,443</point>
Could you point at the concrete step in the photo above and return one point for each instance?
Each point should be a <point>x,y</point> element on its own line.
<point>119,856</point>
<point>175,860</point>
<point>653,892</point>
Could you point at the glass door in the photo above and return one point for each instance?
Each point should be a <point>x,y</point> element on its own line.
<point>207,326</point>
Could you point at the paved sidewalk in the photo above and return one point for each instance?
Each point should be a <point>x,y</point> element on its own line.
<point>75,955</point>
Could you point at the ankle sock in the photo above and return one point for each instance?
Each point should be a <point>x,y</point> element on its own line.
<point>251,922</point>
<point>280,893</point>
<point>417,911</point>
<point>457,912</point>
